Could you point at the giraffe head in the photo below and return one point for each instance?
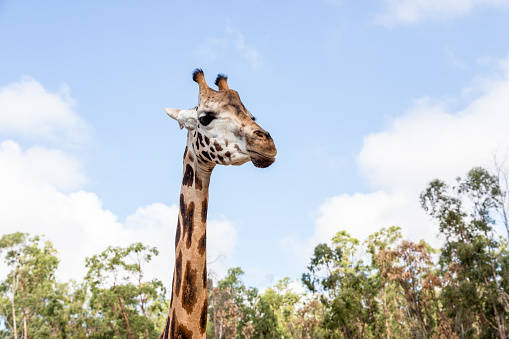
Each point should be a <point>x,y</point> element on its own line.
<point>221,130</point>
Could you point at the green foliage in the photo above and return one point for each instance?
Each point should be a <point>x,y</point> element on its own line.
<point>112,302</point>
<point>27,293</point>
<point>401,292</point>
<point>226,305</point>
<point>278,305</point>
<point>472,258</point>
<point>123,305</point>
<point>322,276</point>
<point>343,284</point>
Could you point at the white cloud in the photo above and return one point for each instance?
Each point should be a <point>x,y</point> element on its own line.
<point>232,44</point>
<point>414,11</point>
<point>221,241</point>
<point>212,48</point>
<point>223,235</point>
<point>39,166</point>
<point>364,214</point>
<point>32,202</point>
<point>429,141</point>
<point>248,52</point>
<point>27,109</point>
<point>455,61</point>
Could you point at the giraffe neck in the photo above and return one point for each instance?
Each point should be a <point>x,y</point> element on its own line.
<point>188,309</point>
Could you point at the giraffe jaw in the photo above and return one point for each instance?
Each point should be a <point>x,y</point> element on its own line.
<point>260,160</point>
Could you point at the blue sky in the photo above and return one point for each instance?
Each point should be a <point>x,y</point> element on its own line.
<point>366,102</point>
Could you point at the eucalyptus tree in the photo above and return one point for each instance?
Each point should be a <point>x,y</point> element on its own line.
<point>28,286</point>
<point>344,287</point>
<point>122,303</point>
<point>473,257</point>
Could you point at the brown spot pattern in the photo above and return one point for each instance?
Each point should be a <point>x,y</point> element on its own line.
<point>190,223</point>
<point>198,182</point>
<point>207,140</point>
<point>182,206</point>
<point>203,317</point>
<point>205,275</point>
<point>217,146</point>
<point>190,156</point>
<point>202,244</point>
<point>187,214</point>
<point>178,274</point>
<point>200,138</point>
<point>173,320</point>
<point>183,332</point>
<point>166,328</point>
<point>188,178</point>
<point>177,234</point>
<point>189,292</point>
<point>172,286</point>
<point>206,155</point>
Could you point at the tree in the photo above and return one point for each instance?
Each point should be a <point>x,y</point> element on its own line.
<point>472,257</point>
<point>224,302</point>
<point>122,304</point>
<point>378,244</point>
<point>25,291</point>
<point>309,317</point>
<point>114,301</point>
<point>282,302</point>
<point>343,285</point>
<point>414,272</point>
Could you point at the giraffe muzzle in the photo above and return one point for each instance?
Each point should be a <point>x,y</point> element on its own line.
<point>261,149</point>
<point>260,160</point>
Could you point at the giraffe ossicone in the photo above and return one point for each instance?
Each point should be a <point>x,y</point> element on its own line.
<point>220,131</point>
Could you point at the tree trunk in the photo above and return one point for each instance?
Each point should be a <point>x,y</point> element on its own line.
<point>129,334</point>
<point>25,330</point>
<point>14,288</point>
<point>14,319</point>
<point>221,326</point>
<point>500,320</point>
<point>142,300</point>
<point>500,324</point>
<point>214,310</point>
<point>387,330</point>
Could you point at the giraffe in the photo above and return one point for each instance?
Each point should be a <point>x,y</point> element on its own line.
<point>220,131</point>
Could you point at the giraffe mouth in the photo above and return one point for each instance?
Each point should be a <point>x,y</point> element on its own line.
<point>261,160</point>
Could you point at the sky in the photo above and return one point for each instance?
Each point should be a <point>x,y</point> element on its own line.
<point>366,102</point>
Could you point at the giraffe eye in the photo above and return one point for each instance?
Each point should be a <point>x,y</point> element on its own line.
<point>206,119</point>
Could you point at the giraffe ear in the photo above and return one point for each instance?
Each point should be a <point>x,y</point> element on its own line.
<point>186,118</point>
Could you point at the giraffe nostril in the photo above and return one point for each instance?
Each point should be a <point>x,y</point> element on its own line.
<point>262,134</point>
